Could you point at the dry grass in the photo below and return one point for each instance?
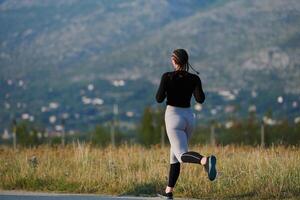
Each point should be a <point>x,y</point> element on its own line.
<point>245,172</point>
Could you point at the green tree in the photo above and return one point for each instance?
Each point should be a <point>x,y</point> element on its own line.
<point>251,129</point>
<point>100,136</point>
<point>27,134</point>
<point>149,131</point>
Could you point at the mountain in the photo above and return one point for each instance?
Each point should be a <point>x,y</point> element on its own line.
<point>51,50</point>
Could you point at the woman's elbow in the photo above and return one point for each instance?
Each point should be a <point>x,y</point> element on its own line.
<point>201,99</point>
<point>159,99</point>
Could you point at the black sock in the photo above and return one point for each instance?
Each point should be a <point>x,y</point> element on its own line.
<point>173,174</point>
<point>191,157</point>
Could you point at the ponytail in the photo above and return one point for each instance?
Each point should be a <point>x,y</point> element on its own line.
<point>189,65</point>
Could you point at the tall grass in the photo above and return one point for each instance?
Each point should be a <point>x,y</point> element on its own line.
<point>244,172</point>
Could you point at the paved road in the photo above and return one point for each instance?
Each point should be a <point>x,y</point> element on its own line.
<point>20,195</point>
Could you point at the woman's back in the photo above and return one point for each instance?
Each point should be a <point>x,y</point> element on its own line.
<point>178,87</point>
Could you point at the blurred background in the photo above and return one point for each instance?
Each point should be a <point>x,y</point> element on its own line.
<point>89,70</point>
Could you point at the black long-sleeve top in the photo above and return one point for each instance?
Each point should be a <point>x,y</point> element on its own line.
<point>178,87</point>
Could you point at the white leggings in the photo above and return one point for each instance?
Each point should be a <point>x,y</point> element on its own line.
<point>179,124</point>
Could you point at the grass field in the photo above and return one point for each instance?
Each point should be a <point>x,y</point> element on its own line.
<point>244,172</point>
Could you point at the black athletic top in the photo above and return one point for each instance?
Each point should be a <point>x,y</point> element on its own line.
<point>178,87</point>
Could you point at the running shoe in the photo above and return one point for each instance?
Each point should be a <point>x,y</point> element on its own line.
<point>210,167</point>
<point>165,195</point>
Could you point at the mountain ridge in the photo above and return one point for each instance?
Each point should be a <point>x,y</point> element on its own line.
<point>51,51</point>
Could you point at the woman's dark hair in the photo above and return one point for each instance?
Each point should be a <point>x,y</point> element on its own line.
<point>181,58</point>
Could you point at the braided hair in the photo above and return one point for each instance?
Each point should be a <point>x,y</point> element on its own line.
<point>181,58</point>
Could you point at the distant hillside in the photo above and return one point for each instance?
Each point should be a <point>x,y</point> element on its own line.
<point>135,38</point>
<point>51,50</point>
<point>225,40</point>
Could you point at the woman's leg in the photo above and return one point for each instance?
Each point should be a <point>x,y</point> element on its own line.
<point>179,126</point>
<point>209,163</point>
<point>178,141</point>
<point>176,125</point>
<point>173,176</point>
<point>191,157</point>
<point>174,172</point>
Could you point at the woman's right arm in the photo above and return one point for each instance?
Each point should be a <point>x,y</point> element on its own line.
<point>162,91</point>
<point>198,92</point>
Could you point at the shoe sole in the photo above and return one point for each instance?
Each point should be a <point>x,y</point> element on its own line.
<point>212,171</point>
<point>163,197</point>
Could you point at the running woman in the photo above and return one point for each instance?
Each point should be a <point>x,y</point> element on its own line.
<point>178,87</point>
